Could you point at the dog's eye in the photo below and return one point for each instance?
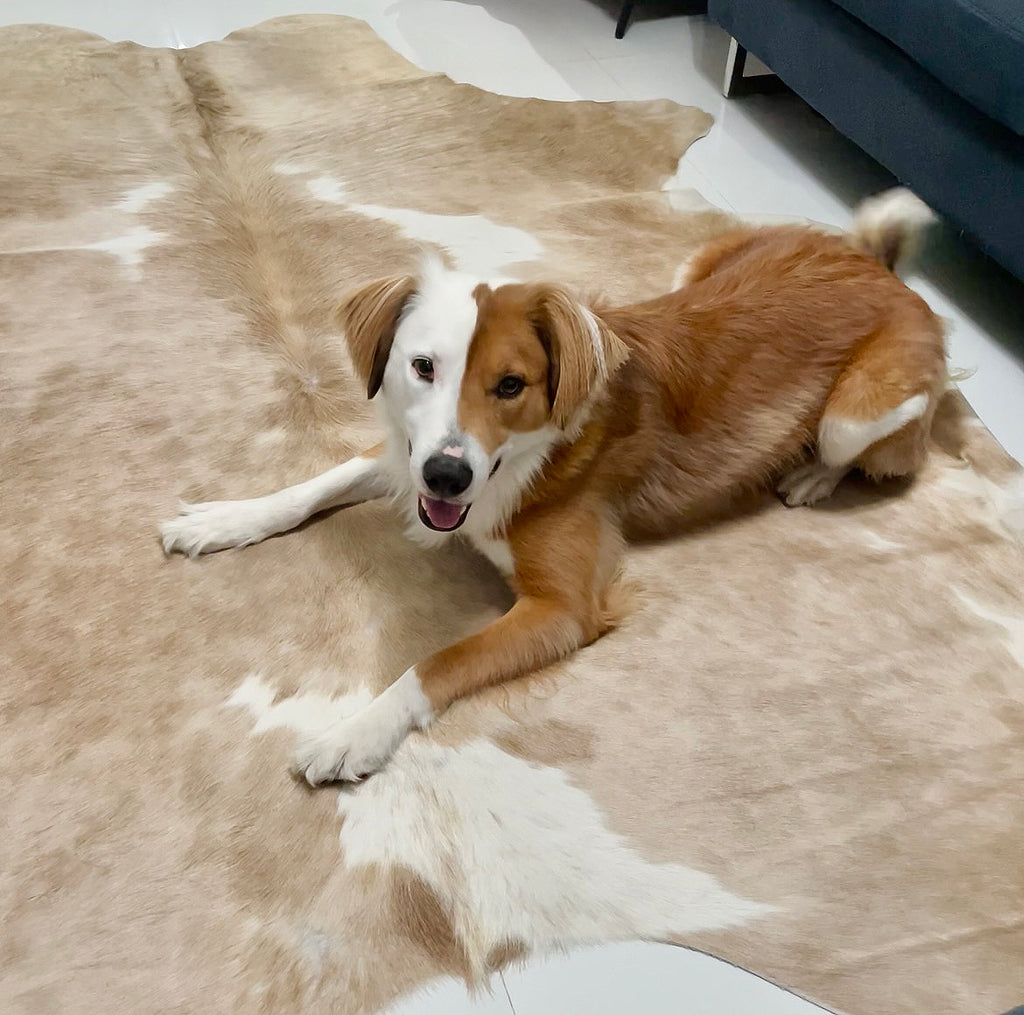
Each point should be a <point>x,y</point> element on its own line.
<point>423,368</point>
<point>509,387</point>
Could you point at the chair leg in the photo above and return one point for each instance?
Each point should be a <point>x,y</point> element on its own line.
<point>624,15</point>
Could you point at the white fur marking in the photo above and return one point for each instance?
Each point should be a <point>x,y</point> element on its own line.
<point>219,524</point>
<point>879,544</point>
<point>478,244</point>
<point>326,188</point>
<point>138,198</point>
<point>307,712</point>
<point>127,246</point>
<point>595,338</point>
<point>513,850</point>
<point>439,323</point>
<point>682,273</point>
<point>522,457</point>
<point>516,852</point>
<point>841,440</point>
<point>1012,625</point>
<point>998,505</point>
<point>498,552</point>
<point>362,743</point>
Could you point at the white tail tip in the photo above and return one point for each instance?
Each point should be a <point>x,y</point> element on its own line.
<point>889,225</point>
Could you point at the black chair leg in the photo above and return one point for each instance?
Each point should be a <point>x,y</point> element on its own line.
<point>624,15</point>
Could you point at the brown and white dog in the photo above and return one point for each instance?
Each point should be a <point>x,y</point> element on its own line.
<point>549,432</point>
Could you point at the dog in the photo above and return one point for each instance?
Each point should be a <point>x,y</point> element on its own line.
<point>549,431</point>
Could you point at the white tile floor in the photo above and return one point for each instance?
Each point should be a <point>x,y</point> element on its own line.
<point>766,156</point>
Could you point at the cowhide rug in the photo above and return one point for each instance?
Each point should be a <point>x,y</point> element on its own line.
<point>803,753</point>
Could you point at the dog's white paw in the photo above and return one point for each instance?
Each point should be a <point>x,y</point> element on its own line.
<point>217,525</point>
<point>809,484</point>
<point>349,750</point>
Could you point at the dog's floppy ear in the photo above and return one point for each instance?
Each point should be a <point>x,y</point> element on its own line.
<point>370,317</point>
<point>583,352</point>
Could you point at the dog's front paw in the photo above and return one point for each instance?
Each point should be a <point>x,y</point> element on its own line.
<point>346,752</point>
<point>216,525</point>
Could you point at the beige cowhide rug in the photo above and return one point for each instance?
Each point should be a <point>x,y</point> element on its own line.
<point>804,752</point>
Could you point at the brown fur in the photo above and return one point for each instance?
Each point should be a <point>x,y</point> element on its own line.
<point>370,316</point>
<point>711,392</point>
<point>504,343</point>
<point>574,366</point>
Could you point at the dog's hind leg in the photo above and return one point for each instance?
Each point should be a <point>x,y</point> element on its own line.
<point>878,415</point>
<point>220,524</point>
<point>810,483</point>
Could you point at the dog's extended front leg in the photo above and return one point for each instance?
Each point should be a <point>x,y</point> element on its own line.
<point>531,635</point>
<point>561,580</point>
<point>219,524</point>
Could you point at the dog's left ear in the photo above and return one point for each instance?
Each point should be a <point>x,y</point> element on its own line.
<point>370,317</point>
<point>583,352</point>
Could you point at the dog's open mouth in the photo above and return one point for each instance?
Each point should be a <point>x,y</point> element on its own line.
<point>440,515</point>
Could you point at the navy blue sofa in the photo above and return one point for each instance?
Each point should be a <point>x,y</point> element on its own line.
<point>932,89</point>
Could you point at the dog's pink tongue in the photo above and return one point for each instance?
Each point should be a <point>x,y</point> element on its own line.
<point>442,514</point>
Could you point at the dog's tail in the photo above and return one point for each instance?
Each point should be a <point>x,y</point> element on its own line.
<point>889,225</point>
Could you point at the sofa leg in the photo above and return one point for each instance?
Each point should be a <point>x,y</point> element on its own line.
<point>734,64</point>
<point>624,15</point>
<point>736,82</point>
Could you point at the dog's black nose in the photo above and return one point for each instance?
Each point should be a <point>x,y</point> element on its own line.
<point>446,476</point>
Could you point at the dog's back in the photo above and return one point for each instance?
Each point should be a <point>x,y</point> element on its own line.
<point>780,338</point>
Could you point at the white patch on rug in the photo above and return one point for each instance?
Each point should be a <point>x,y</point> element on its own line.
<point>304,712</point>
<point>688,200</point>
<point>269,438</point>
<point>513,850</point>
<point>879,544</point>
<point>1012,625</point>
<point>689,190</point>
<point>1003,505</point>
<point>127,246</point>
<point>1009,500</point>
<point>681,273</point>
<point>130,247</point>
<point>480,247</point>
<point>138,197</point>
<point>328,189</point>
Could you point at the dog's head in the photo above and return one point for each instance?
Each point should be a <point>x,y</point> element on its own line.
<point>474,376</point>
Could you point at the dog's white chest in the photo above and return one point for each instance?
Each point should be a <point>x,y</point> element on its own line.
<point>497,551</point>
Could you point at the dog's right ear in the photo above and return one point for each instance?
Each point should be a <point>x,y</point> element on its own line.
<point>370,317</point>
